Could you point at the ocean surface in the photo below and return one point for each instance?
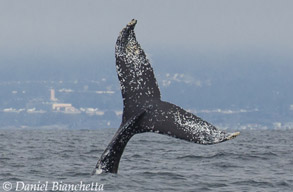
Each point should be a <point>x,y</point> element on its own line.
<point>56,159</point>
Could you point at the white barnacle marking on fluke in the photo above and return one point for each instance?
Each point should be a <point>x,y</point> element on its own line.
<point>201,131</point>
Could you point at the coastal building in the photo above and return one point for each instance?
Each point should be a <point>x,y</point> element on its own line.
<point>64,107</point>
<point>52,97</point>
<point>61,107</point>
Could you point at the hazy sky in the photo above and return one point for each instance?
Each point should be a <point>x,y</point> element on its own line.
<point>33,28</point>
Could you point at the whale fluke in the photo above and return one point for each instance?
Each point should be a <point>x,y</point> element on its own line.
<point>144,111</point>
<point>136,76</point>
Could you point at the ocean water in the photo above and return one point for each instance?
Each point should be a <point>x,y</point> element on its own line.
<point>254,161</point>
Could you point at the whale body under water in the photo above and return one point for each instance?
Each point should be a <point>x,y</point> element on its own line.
<point>144,111</point>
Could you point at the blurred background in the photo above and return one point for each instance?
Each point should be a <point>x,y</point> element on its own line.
<point>229,62</point>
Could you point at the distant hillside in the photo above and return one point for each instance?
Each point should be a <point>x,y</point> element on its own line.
<point>225,89</point>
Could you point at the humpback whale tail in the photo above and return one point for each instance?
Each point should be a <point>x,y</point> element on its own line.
<point>144,111</point>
